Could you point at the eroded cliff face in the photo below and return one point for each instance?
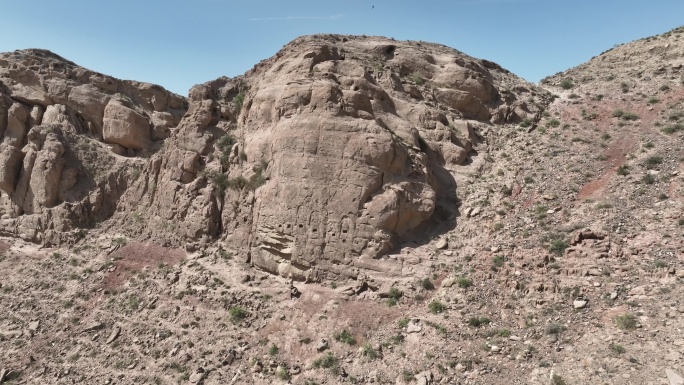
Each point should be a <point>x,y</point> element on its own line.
<point>319,159</point>
<point>70,140</point>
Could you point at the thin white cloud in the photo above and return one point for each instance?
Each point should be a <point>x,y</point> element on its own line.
<point>331,17</point>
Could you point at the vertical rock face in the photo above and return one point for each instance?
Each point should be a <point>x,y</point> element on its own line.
<point>321,158</point>
<point>56,120</point>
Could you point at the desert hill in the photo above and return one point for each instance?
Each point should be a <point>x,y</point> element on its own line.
<point>443,220</point>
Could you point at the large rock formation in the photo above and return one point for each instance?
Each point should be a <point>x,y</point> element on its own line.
<point>316,161</point>
<point>320,158</point>
<point>61,126</point>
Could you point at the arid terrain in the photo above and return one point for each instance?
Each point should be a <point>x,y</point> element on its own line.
<point>353,210</point>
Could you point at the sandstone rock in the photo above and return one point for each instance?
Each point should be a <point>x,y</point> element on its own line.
<point>322,345</point>
<point>125,126</point>
<point>114,334</point>
<point>673,377</point>
<point>579,304</point>
<point>413,327</point>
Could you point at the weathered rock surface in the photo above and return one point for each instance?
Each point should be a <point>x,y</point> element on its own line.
<point>331,159</point>
<point>55,173</point>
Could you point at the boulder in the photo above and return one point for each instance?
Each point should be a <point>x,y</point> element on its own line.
<point>125,126</point>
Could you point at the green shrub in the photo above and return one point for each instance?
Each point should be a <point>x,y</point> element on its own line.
<point>395,293</point>
<point>627,321</point>
<point>673,128</point>
<point>554,328</point>
<point>417,79</point>
<point>345,337</point>
<point>617,349</point>
<point>648,179</point>
<point>566,84</point>
<point>464,282</point>
<point>237,314</point>
<point>403,322</point>
<point>273,350</point>
<point>479,321</point>
<point>653,161</point>
<point>557,380</point>
<point>558,246</point>
<point>328,361</point>
<point>368,352</point>
<point>238,100</point>
<point>436,307</point>
<point>498,261</point>
<point>623,170</point>
<point>282,373</point>
<point>553,123</point>
<point>427,284</point>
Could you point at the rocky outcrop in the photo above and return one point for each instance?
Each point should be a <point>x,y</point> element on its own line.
<point>320,159</point>
<point>60,126</point>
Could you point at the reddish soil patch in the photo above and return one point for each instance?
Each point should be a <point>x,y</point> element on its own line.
<point>616,156</point>
<point>363,316</point>
<point>136,256</point>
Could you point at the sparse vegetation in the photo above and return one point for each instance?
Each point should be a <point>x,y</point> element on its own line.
<point>327,361</point>
<point>237,314</point>
<point>464,282</point>
<point>616,348</point>
<point>426,283</point>
<point>566,84</point>
<point>558,246</point>
<point>478,321</point>
<point>345,337</point>
<point>436,307</point>
<point>627,321</point>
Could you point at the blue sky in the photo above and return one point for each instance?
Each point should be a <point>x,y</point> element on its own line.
<point>178,43</point>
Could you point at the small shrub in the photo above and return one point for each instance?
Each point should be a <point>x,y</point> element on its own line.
<point>327,361</point>
<point>503,333</point>
<point>479,321</point>
<point>566,84</point>
<point>368,352</point>
<point>617,349</point>
<point>554,328</point>
<point>403,322</point>
<point>553,123</point>
<point>498,261</point>
<point>527,122</point>
<point>238,100</point>
<point>427,284</point>
<point>653,100</point>
<point>417,79</point>
<point>618,113</point>
<point>558,246</point>
<point>648,179</point>
<point>395,293</point>
<point>623,170</point>
<point>464,282</point>
<point>282,373</point>
<point>629,116</point>
<point>673,128</point>
<point>557,380</point>
<point>273,350</point>
<point>237,314</point>
<point>627,321</point>
<point>436,307</point>
<point>345,337</point>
